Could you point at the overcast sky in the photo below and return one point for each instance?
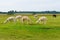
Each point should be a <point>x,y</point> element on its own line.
<point>30,5</point>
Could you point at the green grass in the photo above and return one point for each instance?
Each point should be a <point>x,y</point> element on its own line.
<point>18,31</point>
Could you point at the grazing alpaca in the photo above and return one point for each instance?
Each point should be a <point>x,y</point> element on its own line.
<point>35,16</point>
<point>42,19</point>
<point>54,16</point>
<point>18,17</point>
<point>9,19</point>
<point>26,18</point>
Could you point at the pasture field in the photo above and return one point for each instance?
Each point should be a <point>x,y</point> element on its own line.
<point>19,31</point>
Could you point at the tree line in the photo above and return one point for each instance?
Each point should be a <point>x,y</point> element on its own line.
<point>33,12</point>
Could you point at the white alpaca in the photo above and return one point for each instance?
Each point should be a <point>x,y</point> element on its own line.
<point>42,19</point>
<point>35,16</point>
<point>18,17</point>
<point>9,19</point>
<point>26,18</point>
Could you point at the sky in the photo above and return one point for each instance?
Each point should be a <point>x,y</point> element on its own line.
<point>30,5</point>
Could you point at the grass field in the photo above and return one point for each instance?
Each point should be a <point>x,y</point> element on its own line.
<point>18,31</point>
